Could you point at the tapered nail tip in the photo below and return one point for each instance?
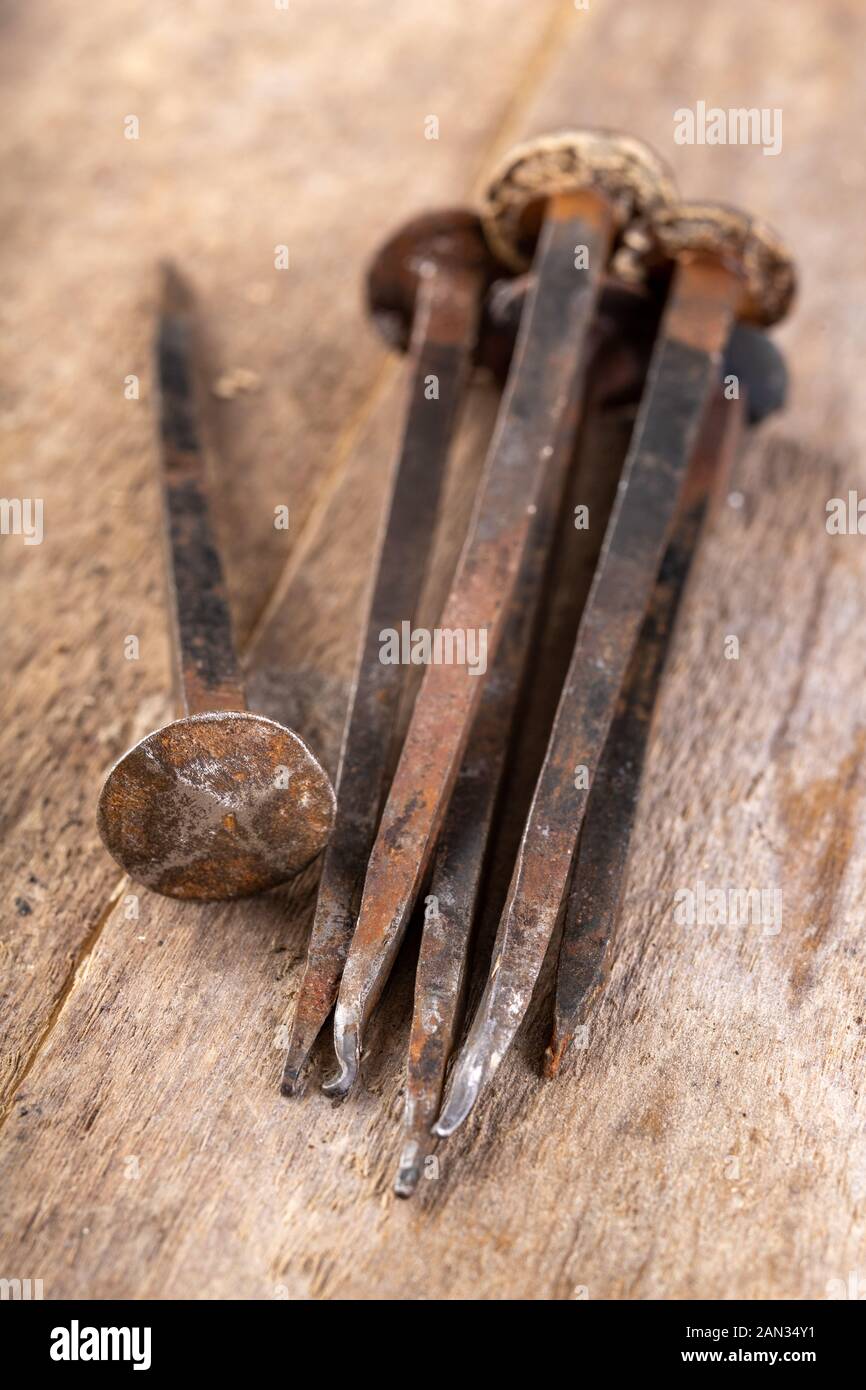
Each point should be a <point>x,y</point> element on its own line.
<point>465,1089</point>
<point>291,1083</point>
<point>407,1181</point>
<point>175,296</point>
<point>554,1054</point>
<point>296,1060</point>
<point>347,1046</point>
<point>341,1084</point>
<point>409,1171</point>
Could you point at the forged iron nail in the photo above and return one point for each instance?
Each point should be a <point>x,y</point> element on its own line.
<point>454,888</point>
<point>618,363</point>
<point>582,208</point>
<point>425,291</point>
<point>220,803</point>
<point>726,266</point>
<point>600,872</point>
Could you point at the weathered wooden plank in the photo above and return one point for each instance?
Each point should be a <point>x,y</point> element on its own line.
<point>252,135</point>
<point>709,1140</point>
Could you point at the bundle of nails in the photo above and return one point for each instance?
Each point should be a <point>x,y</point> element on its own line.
<point>583,278</point>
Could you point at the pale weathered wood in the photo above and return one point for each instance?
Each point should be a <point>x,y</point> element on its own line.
<point>253,134</point>
<point>710,1140</point>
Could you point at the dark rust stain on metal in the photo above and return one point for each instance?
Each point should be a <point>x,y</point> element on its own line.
<point>620,344</point>
<point>449,242</point>
<point>544,385</point>
<point>221,803</point>
<point>598,880</point>
<point>695,329</point>
<point>433,273</point>
<point>600,871</point>
<point>208,677</point>
<point>214,806</point>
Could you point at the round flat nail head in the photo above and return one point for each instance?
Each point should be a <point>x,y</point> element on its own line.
<point>451,238</point>
<point>748,244</point>
<point>216,806</point>
<point>622,169</point>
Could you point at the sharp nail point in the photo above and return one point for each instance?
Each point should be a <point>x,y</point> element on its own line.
<point>452,1116</point>
<point>466,1084</point>
<point>290,1084</point>
<point>553,1056</point>
<point>296,1060</point>
<point>406,1182</point>
<point>347,1045</point>
<point>176,296</point>
<point>339,1085</point>
<point>409,1172</point>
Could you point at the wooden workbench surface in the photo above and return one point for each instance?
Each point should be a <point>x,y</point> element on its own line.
<point>711,1140</point>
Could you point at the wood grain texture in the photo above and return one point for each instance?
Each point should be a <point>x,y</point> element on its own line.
<point>709,1141</point>
<point>251,136</point>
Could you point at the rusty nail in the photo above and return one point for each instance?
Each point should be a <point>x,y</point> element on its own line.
<point>599,874</point>
<point>425,291</point>
<point>618,355</point>
<point>726,266</point>
<point>220,803</point>
<point>580,190</point>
